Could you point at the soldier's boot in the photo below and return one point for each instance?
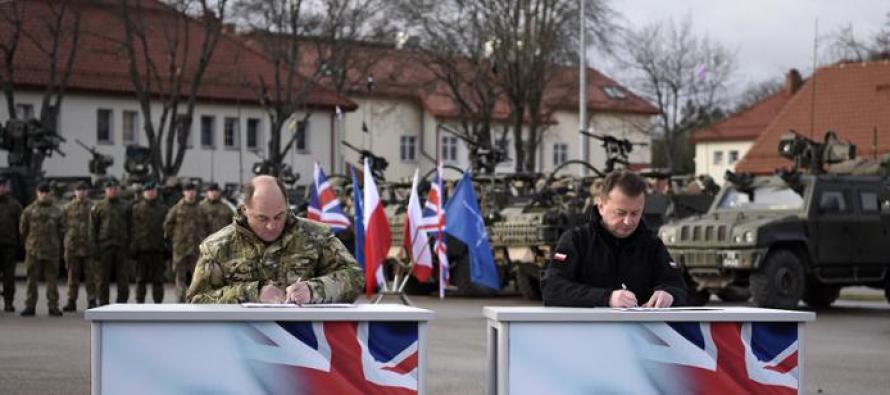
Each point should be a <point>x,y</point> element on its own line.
<point>8,307</point>
<point>55,312</point>
<point>71,306</point>
<point>28,312</point>
<point>91,303</point>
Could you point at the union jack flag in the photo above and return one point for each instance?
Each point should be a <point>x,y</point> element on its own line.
<point>727,357</point>
<point>335,357</point>
<point>434,224</point>
<point>324,206</point>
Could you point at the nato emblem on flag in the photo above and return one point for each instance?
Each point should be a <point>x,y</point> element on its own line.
<point>334,357</point>
<point>324,206</point>
<point>464,222</point>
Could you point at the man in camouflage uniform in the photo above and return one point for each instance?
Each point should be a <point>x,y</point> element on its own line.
<point>77,248</point>
<point>109,232</point>
<point>147,243</point>
<point>218,213</point>
<point>185,227</point>
<point>269,255</point>
<point>42,228</point>
<point>10,212</point>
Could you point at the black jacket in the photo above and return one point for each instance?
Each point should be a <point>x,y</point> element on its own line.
<point>589,263</point>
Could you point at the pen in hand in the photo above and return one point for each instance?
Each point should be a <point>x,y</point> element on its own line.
<point>624,287</point>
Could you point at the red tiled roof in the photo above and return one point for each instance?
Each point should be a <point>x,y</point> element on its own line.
<point>853,99</point>
<point>746,124</point>
<point>101,63</point>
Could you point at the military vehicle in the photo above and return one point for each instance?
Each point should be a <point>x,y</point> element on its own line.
<point>790,236</point>
<point>28,143</point>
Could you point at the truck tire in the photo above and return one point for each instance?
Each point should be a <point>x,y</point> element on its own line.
<point>694,296</point>
<point>734,293</point>
<point>414,287</point>
<point>820,295</point>
<point>529,285</point>
<point>460,277</point>
<point>780,282</point>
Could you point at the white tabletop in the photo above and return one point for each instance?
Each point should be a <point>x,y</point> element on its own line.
<point>234,312</point>
<point>603,314</point>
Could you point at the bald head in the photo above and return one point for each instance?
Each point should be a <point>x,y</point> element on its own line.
<point>264,188</point>
<point>265,206</point>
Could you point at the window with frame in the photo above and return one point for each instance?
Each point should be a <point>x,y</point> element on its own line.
<point>718,158</point>
<point>868,200</point>
<point>504,145</point>
<point>208,131</point>
<point>184,125</point>
<point>230,133</point>
<point>407,148</point>
<point>449,148</point>
<point>130,127</point>
<point>733,157</point>
<point>560,153</point>
<point>24,111</point>
<point>614,92</point>
<point>832,202</point>
<point>103,126</point>
<point>253,134</point>
<point>301,139</point>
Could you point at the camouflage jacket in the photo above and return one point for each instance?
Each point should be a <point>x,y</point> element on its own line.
<point>147,230</point>
<point>77,227</point>
<point>218,215</point>
<point>42,227</point>
<point>185,227</point>
<point>110,224</point>
<point>235,264</point>
<point>10,212</point>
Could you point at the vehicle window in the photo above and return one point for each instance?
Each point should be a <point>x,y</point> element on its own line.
<point>761,198</point>
<point>832,202</point>
<point>868,201</point>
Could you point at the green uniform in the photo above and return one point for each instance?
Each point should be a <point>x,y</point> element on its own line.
<point>10,212</point>
<point>235,264</point>
<point>109,231</point>
<point>218,214</point>
<point>185,226</point>
<point>42,227</point>
<point>77,250</point>
<point>147,244</point>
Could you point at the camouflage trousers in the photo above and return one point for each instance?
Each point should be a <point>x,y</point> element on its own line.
<point>50,270</point>
<point>150,268</point>
<point>7,270</point>
<point>113,260</point>
<point>183,269</point>
<point>80,266</point>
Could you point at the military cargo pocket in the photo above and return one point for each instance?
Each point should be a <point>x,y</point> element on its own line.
<point>241,271</point>
<point>299,268</point>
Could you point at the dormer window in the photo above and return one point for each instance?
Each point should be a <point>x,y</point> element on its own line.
<point>614,92</point>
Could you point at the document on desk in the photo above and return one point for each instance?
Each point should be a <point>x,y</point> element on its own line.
<point>296,306</point>
<point>661,309</point>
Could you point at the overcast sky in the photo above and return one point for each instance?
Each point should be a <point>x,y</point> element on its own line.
<point>768,36</point>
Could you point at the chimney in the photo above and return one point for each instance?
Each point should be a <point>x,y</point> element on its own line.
<point>792,82</point>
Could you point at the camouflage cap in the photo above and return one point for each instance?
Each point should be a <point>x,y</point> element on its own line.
<point>43,186</point>
<point>212,186</point>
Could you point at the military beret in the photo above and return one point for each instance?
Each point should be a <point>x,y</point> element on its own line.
<point>43,187</point>
<point>149,186</point>
<point>212,186</point>
<point>189,186</point>
<point>112,182</point>
<point>81,186</point>
<point>3,179</point>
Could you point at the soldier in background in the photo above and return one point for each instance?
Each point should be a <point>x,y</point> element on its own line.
<point>42,227</point>
<point>147,243</point>
<point>10,212</point>
<point>185,227</point>
<point>77,248</point>
<point>109,231</point>
<point>218,213</point>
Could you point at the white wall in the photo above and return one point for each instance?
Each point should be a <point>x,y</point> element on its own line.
<point>705,161</point>
<point>78,118</point>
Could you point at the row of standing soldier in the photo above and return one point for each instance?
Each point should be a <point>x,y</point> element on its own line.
<point>99,239</point>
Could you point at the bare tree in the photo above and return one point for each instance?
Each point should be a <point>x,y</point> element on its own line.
<point>845,45</point>
<point>173,76</point>
<point>757,92</point>
<point>53,30</point>
<point>684,76</point>
<point>322,33</point>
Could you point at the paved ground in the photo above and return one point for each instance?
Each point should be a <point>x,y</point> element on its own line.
<point>848,347</point>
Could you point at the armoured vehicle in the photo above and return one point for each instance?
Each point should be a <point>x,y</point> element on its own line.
<point>789,236</point>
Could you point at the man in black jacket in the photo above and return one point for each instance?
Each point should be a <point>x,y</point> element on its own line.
<point>614,260</point>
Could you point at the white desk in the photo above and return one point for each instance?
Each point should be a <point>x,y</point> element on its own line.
<point>230,349</point>
<point>561,350</point>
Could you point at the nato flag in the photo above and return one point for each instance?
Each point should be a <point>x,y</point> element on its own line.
<point>463,221</point>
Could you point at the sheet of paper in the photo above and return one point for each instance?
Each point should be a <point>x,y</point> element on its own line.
<point>659,309</point>
<point>296,306</point>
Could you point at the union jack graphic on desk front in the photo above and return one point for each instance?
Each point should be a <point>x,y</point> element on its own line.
<point>727,357</point>
<point>335,357</point>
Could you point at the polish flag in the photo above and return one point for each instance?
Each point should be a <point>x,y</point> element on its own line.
<point>416,239</point>
<point>377,236</point>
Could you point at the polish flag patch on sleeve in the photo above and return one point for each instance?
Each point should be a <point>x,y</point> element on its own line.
<point>559,257</point>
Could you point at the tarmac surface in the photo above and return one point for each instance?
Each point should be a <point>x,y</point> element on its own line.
<point>847,347</point>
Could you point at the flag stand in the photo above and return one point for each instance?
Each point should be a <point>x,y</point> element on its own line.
<point>397,288</point>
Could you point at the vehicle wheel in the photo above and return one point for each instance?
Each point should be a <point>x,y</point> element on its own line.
<point>820,295</point>
<point>780,282</point>
<point>734,293</point>
<point>529,285</point>
<point>694,296</point>
<point>460,277</point>
<point>414,287</point>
